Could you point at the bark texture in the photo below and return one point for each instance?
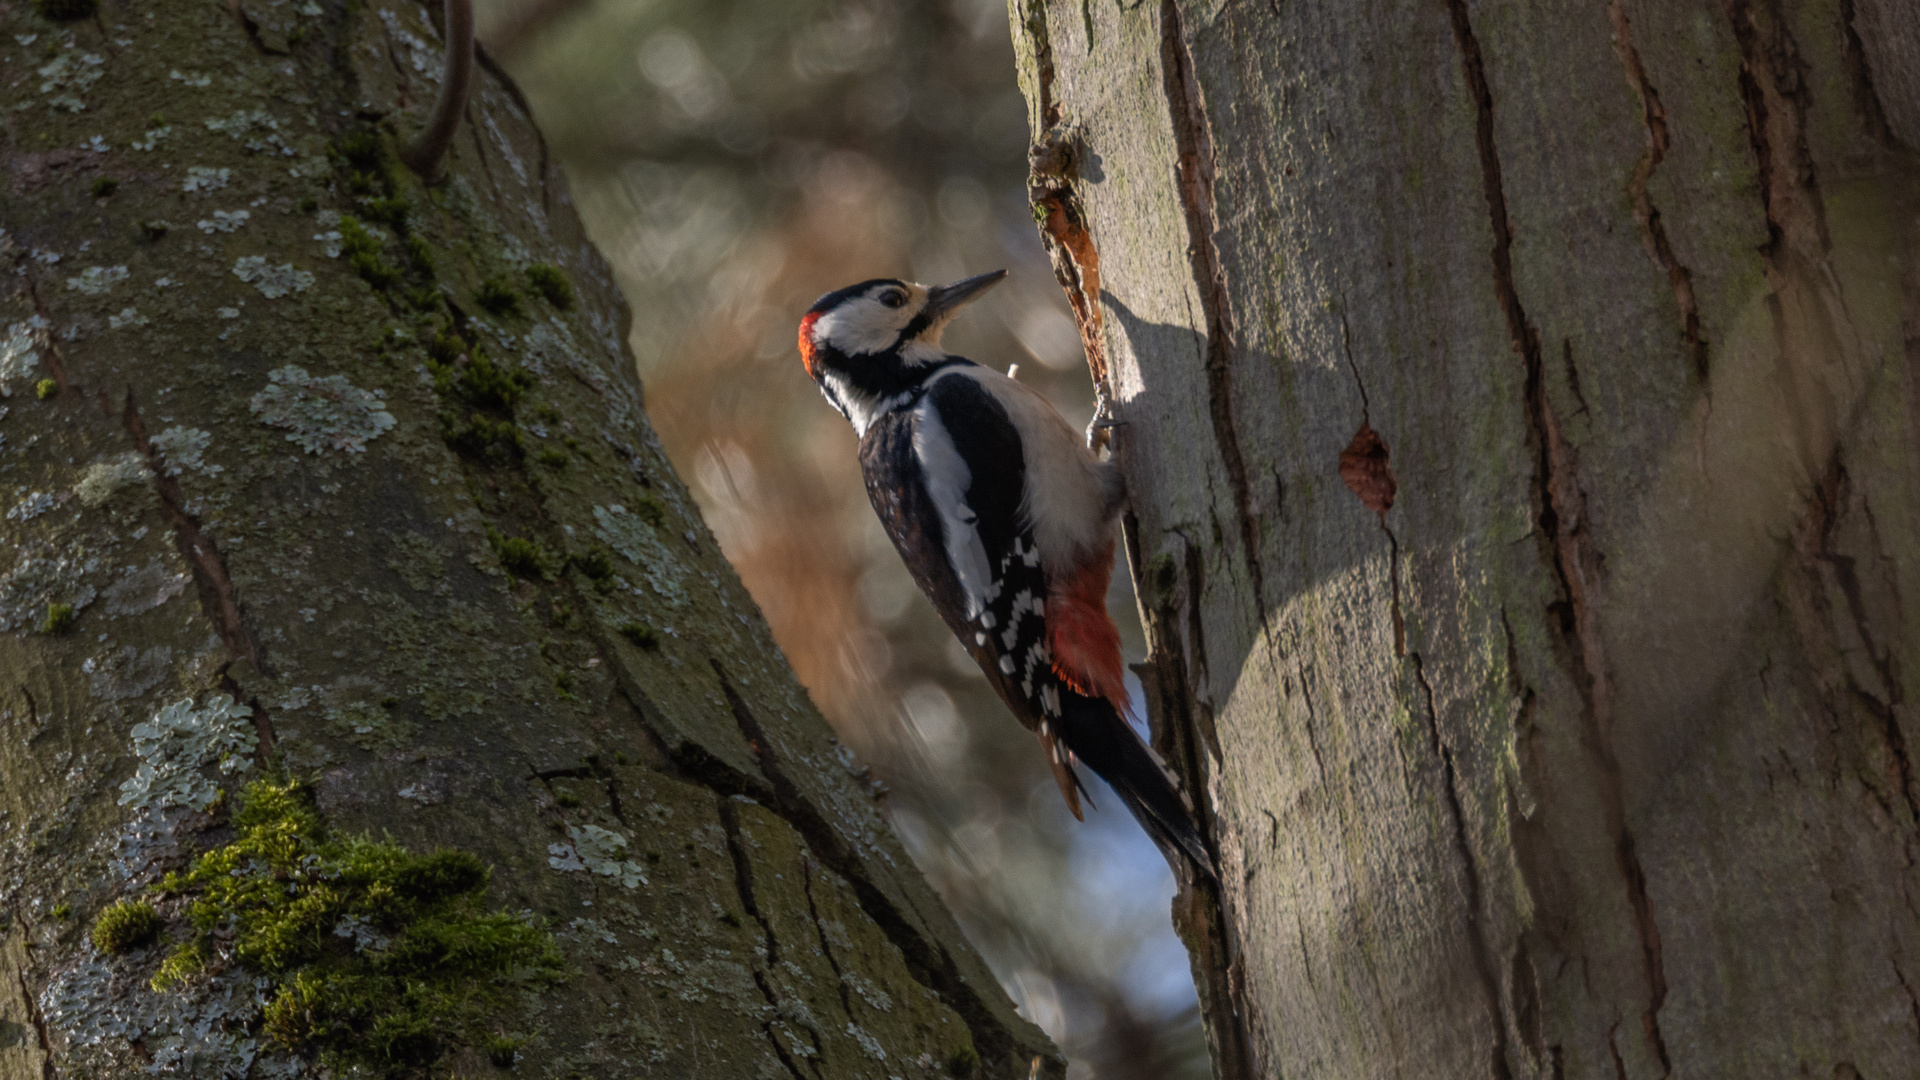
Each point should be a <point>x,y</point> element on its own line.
<point>1522,411</point>
<point>482,616</point>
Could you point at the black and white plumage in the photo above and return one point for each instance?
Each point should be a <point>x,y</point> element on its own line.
<point>1005,520</point>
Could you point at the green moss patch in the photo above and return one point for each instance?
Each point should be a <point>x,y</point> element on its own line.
<point>45,389</point>
<point>380,959</point>
<point>521,558</point>
<point>127,925</point>
<point>551,285</point>
<point>103,187</point>
<point>497,298</point>
<point>363,254</point>
<point>59,619</point>
<point>646,637</point>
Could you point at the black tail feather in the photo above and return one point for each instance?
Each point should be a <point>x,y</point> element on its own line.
<point>1105,743</point>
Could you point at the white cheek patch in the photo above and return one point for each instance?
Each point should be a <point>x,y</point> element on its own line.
<point>948,478</point>
<point>861,326</point>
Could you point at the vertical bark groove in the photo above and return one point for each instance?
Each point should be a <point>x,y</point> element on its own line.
<point>1659,248</point>
<point>217,594</point>
<point>1561,512</point>
<point>1481,949</point>
<point>1192,135</point>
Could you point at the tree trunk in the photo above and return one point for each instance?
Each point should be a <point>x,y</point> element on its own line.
<point>1522,419</point>
<point>367,505</point>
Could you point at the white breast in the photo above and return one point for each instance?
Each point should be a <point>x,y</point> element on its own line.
<point>1071,497</point>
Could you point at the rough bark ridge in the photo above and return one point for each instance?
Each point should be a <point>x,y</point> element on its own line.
<point>1522,408</point>
<point>356,471</point>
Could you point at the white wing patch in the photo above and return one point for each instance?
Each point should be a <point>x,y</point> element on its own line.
<point>948,478</point>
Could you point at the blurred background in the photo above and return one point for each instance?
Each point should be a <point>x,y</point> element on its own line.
<point>735,160</point>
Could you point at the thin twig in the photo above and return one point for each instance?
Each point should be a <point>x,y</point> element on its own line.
<point>424,153</point>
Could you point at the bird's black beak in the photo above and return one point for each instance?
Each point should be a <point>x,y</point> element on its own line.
<point>944,300</point>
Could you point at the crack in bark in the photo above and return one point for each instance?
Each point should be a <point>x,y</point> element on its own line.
<point>927,962</point>
<point>826,946</point>
<point>1828,498</point>
<point>1179,721</point>
<point>1773,85</point>
<point>1654,116</point>
<point>39,1022</point>
<point>1913,1001</point>
<point>252,29</point>
<point>1866,97</point>
<point>219,600</point>
<point>52,351</point>
<point>1193,137</point>
<point>743,876</point>
<point>779,1051</point>
<point>1480,948</point>
<point>1569,551</point>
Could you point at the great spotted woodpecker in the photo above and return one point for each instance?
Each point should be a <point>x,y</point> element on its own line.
<point>1006,521</point>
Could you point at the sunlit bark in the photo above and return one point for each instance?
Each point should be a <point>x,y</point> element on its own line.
<point>1520,414</point>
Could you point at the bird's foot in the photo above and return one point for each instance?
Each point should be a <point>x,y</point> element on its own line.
<point>1100,428</point>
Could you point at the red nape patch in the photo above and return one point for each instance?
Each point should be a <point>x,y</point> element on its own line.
<point>806,342</point>
<point>1081,635</point>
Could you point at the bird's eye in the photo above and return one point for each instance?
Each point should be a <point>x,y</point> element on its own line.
<point>893,298</point>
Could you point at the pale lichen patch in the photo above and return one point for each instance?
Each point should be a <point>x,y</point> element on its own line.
<point>103,478</point>
<point>181,448</point>
<point>225,221</point>
<point>31,505</point>
<point>639,543</point>
<point>596,851</point>
<point>205,178</point>
<point>127,673</point>
<point>273,282</point>
<point>97,280</point>
<point>321,413</point>
<point>179,744</point>
<point>127,317</point>
<point>20,351</point>
<point>142,589</point>
<point>45,575</point>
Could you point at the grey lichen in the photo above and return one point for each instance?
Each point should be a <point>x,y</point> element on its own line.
<point>319,413</point>
<point>273,282</point>
<point>596,851</point>
<point>97,280</point>
<point>143,589</point>
<point>127,673</point>
<point>639,543</point>
<point>205,178</point>
<point>179,744</point>
<point>181,448</point>
<point>45,575</point>
<point>20,351</point>
<point>103,478</point>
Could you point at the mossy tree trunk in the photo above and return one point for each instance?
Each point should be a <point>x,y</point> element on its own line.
<point>327,456</point>
<point>1522,412</point>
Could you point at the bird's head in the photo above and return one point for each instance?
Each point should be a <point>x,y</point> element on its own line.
<point>869,344</point>
<point>884,321</point>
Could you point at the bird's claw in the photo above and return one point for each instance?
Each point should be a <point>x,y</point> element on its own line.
<point>1100,428</point>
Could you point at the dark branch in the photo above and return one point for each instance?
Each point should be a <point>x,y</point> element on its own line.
<point>424,153</point>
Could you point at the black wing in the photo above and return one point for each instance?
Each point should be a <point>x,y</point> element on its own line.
<point>952,508</point>
<point>967,545</point>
